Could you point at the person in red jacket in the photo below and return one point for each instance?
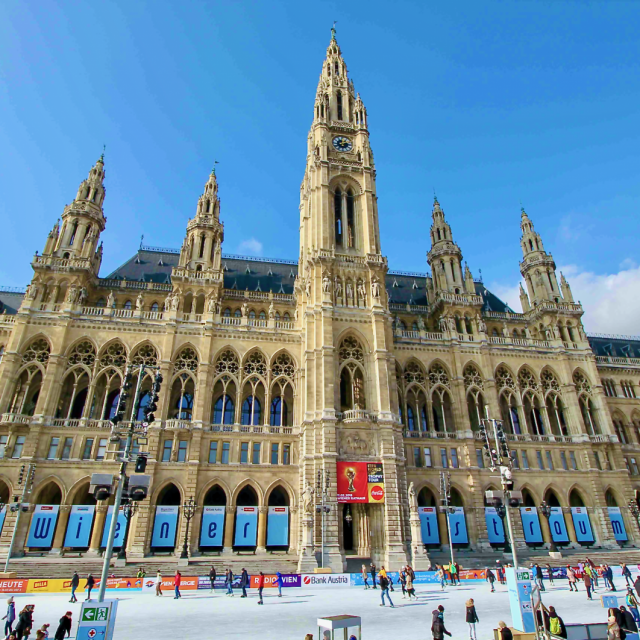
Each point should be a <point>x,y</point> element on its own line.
<point>260,587</point>
<point>176,583</point>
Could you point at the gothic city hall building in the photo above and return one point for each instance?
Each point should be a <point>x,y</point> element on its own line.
<point>277,372</point>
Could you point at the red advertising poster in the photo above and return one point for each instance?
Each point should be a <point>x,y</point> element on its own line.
<point>361,482</point>
<point>13,586</point>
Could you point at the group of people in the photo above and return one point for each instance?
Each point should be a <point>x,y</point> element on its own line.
<point>24,624</point>
<point>406,577</point>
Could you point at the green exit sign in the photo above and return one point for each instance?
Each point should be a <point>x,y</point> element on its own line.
<point>96,614</point>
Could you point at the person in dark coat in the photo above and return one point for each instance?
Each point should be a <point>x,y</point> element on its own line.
<point>539,577</point>
<point>438,630</point>
<point>212,577</point>
<point>9,617</point>
<point>472,618</point>
<point>619,618</point>
<point>64,627</point>
<point>90,582</point>
<point>628,623</point>
<point>25,622</point>
<point>372,571</point>
<point>491,579</point>
<point>505,632</point>
<point>244,582</point>
<point>75,583</point>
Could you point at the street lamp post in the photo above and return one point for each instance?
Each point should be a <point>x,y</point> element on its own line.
<point>501,510</point>
<point>445,500</point>
<point>322,490</point>
<point>129,509</point>
<point>545,510</point>
<point>188,511</point>
<point>27,481</point>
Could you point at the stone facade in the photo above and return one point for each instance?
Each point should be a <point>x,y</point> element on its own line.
<point>274,371</point>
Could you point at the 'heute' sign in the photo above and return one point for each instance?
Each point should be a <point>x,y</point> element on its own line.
<point>326,580</point>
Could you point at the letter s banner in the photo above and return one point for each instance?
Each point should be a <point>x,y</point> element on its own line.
<point>494,525</point>
<point>43,525</point>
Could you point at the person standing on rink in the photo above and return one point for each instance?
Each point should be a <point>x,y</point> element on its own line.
<point>279,583</point>
<point>260,587</point>
<point>372,569</point>
<point>365,576</point>
<point>626,574</point>
<point>491,579</point>
<point>75,583</point>
<point>571,577</point>
<point>410,589</point>
<point>90,582</point>
<point>244,582</point>
<point>438,630</point>
<point>229,582</point>
<point>472,618</point>
<point>384,586</point>
<point>402,579</point>
<point>9,617</point>
<point>159,583</point>
<point>550,570</point>
<point>64,627</point>
<point>212,577</point>
<point>177,579</point>
<point>587,584</point>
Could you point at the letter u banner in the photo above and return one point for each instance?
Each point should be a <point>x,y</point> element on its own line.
<point>617,524</point>
<point>582,524</point>
<point>558,526</point>
<point>531,525</point>
<point>429,525</point>
<point>43,525</point>
<point>79,526</point>
<point>495,529</point>
<point>121,525</point>
<point>165,527</point>
<point>458,526</point>
<point>212,530</point>
<point>246,527</point>
<point>278,527</point>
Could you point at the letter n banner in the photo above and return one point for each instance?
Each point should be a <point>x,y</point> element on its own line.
<point>165,527</point>
<point>43,525</point>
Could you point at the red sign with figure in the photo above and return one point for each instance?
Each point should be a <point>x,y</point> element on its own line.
<point>360,482</point>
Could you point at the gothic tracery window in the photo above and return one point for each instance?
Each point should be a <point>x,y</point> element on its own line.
<point>351,356</point>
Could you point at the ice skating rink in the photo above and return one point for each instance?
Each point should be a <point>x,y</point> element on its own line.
<point>200,614</point>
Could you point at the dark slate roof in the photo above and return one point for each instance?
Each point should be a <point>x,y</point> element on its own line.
<point>616,346</point>
<point>491,302</point>
<point>10,300</point>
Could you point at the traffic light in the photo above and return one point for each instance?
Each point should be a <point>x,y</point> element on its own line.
<point>152,405</point>
<point>21,474</point>
<point>141,464</point>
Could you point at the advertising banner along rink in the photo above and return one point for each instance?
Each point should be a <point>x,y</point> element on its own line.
<point>360,482</point>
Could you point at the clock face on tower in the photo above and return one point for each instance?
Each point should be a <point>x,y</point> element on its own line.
<point>341,143</point>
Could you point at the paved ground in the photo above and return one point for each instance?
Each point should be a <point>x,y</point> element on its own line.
<point>202,615</point>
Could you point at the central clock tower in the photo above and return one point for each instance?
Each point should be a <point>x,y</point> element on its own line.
<point>348,387</point>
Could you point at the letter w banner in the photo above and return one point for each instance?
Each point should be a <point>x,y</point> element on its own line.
<point>246,527</point>
<point>43,525</point>
<point>429,525</point>
<point>212,530</point>
<point>495,529</point>
<point>558,526</point>
<point>278,527</point>
<point>617,524</point>
<point>458,526</point>
<point>79,526</point>
<point>121,525</point>
<point>582,524</point>
<point>165,527</point>
<point>531,525</point>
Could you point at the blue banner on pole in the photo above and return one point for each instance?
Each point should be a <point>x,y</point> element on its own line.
<point>278,527</point>
<point>495,529</point>
<point>79,526</point>
<point>531,525</point>
<point>121,526</point>
<point>429,525</point>
<point>43,525</point>
<point>458,525</point>
<point>165,527</point>
<point>246,527</point>
<point>582,524</point>
<point>212,530</point>
<point>617,524</point>
<point>558,526</point>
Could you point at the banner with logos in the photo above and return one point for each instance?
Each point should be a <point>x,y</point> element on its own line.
<point>360,482</point>
<point>458,525</point>
<point>246,527</point>
<point>219,583</point>
<point>582,524</point>
<point>531,525</point>
<point>558,525</point>
<point>326,580</point>
<point>278,527</point>
<point>495,528</point>
<point>79,526</point>
<point>212,529</point>
<point>188,583</point>
<point>14,586</point>
<point>271,581</point>
<point>121,526</point>
<point>43,525</point>
<point>165,527</point>
<point>617,524</point>
<point>429,525</point>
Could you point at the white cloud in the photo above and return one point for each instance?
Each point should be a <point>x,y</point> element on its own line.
<point>611,301</point>
<point>251,246</point>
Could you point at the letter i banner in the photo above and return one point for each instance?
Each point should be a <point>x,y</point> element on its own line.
<point>429,525</point>
<point>582,524</point>
<point>246,527</point>
<point>43,525</point>
<point>458,526</point>
<point>165,527</point>
<point>79,526</point>
<point>617,524</point>
<point>212,530</point>
<point>494,525</point>
<point>121,526</point>
<point>278,527</point>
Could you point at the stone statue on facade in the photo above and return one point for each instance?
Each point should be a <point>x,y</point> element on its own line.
<point>32,292</point>
<point>375,287</point>
<point>244,309</point>
<point>211,305</point>
<point>442,323</point>
<point>82,296</point>
<point>326,283</point>
<point>272,311</point>
<point>337,283</point>
<point>421,325</point>
<point>111,301</point>
<point>175,302</point>
<point>362,294</point>
<point>307,499</point>
<point>413,497</point>
<point>482,325</point>
<point>139,302</point>
<point>72,294</point>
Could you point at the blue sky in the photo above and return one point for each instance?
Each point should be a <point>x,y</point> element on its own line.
<point>489,103</point>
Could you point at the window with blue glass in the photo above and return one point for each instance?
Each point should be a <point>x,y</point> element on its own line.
<point>279,410</point>
<point>224,410</point>
<point>251,411</point>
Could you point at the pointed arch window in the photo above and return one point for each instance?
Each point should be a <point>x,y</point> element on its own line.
<point>251,411</point>
<point>279,410</point>
<point>338,216</point>
<point>339,103</point>
<point>127,304</point>
<point>351,208</point>
<point>224,410</point>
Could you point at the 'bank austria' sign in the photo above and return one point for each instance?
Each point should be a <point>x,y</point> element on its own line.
<point>327,580</point>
